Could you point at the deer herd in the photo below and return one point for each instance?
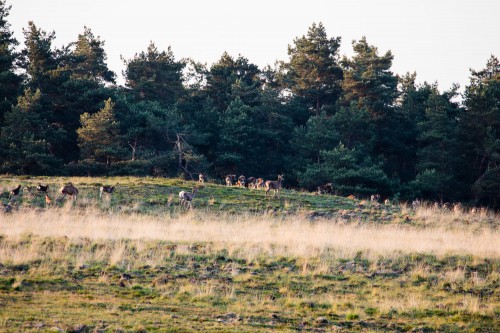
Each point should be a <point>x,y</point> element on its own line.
<point>256,183</point>
<point>186,198</point>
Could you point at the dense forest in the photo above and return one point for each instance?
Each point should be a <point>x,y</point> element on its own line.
<point>316,117</point>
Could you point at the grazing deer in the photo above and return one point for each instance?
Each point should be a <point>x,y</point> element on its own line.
<point>241,181</point>
<point>260,183</point>
<point>106,189</point>
<point>387,202</point>
<point>275,185</point>
<point>230,179</point>
<point>69,190</point>
<point>374,198</point>
<point>325,189</point>
<point>41,188</point>
<point>15,192</point>
<point>202,178</point>
<point>186,198</point>
<point>251,182</point>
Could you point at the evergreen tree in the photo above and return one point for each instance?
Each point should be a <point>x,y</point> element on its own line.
<point>350,170</point>
<point>98,137</point>
<point>239,145</point>
<point>439,152</point>
<point>229,79</point>
<point>313,71</point>
<point>308,141</point>
<point>409,112</point>
<point>155,76</point>
<point>39,60</point>
<point>479,132</point>
<point>370,85</point>
<point>368,80</point>
<point>9,80</point>
<point>90,59</point>
<point>23,138</point>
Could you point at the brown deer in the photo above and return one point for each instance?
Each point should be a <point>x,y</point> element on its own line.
<point>202,178</point>
<point>106,189</point>
<point>15,192</point>
<point>325,189</point>
<point>251,182</point>
<point>241,181</point>
<point>70,190</point>
<point>42,188</point>
<point>275,185</point>
<point>374,198</point>
<point>260,183</point>
<point>186,198</point>
<point>230,179</point>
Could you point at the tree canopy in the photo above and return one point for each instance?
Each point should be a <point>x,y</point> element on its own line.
<point>316,117</point>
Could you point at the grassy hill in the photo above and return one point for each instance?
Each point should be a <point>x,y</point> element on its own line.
<point>240,262</point>
<point>151,195</point>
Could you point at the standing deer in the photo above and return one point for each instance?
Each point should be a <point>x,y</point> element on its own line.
<point>106,189</point>
<point>230,179</point>
<point>275,185</point>
<point>325,189</point>
<point>186,198</point>
<point>374,198</point>
<point>69,190</point>
<point>241,181</point>
<point>42,188</point>
<point>202,178</point>
<point>260,183</point>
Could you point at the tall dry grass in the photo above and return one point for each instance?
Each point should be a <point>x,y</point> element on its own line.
<point>248,236</point>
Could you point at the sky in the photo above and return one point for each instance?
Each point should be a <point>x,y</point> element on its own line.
<point>440,40</point>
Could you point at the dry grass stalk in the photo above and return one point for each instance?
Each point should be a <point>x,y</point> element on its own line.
<point>248,236</point>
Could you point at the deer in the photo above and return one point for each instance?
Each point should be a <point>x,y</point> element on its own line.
<point>230,180</point>
<point>325,189</point>
<point>70,190</point>
<point>15,192</point>
<point>186,198</point>
<point>251,182</point>
<point>275,185</point>
<point>241,181</point>
<point>202,178</point>
<point>260,183</point>
<point>106,189</point>
<point>374,198</point>
<point>42,188</point>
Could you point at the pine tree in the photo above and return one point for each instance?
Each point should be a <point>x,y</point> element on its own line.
<point>350,170</point>
<point>99,137</point>
<point>368,80</point>
<point>229,79</point>
<point>23,138</point>
<point>90,59</point>
<point>313,71</point>
<point>39,60</point>
<point>155,76</point>
<point>9,80</point>
<point>439,152</point>
<point>479,133</point>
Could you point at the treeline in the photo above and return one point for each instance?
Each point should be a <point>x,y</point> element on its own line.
<point>316,117</point>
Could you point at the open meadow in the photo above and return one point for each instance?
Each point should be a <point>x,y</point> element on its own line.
<point>136,261</point>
